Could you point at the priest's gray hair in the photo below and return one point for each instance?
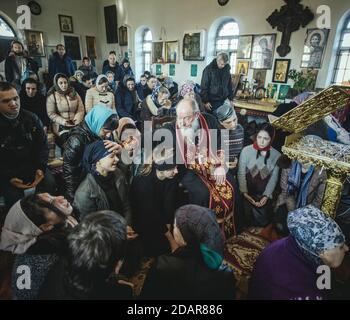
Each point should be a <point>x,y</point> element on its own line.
<point>192,102</point>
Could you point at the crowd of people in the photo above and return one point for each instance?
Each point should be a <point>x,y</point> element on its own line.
<point>125,195</point>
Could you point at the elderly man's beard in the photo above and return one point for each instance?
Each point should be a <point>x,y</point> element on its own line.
<point>190,133</point>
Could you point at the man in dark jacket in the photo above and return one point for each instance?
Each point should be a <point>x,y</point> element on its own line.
<point>23,149</point>
<point>60,62</point>
<point>18,66</point>
<point>216,85</point>
<point>98,124</point>
<point>112,65</point>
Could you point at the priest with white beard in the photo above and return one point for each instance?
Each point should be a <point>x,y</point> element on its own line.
<point>196,138</point>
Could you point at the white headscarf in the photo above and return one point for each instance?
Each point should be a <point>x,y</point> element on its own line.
<point>18,232</point>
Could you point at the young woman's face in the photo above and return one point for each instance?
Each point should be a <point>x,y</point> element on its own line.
<point>109,163</point>
<point>334,257</point>
<point>162,98</point>
<point>130,85</point>
<point>31,89</point>
<point>62,84</point>
<point>143,81</point>
<point>102,87</point>
<point>263,139</point>
<point>230,123</point>
<point>60,203</point>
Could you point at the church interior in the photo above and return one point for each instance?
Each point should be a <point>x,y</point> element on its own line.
<point>174,150</point>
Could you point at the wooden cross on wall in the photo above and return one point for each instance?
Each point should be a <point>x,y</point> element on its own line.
<point>289,19</point>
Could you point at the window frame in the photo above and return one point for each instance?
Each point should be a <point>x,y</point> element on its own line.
<point>341,50</point>
<point>229,51</point>
<point>145,52</point>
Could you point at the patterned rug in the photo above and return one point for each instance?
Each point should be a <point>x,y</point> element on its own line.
<point>240,255</point>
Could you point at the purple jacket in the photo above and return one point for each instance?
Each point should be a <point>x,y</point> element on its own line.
<point>282,272</point>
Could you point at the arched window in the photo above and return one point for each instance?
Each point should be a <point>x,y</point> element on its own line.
<point>227,41</point>
<point>5,30</point>
<point>7,34</point>
<point>342,66</point>
<point>147,50</point>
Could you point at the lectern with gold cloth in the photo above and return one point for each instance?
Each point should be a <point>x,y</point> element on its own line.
<point>333,157</point>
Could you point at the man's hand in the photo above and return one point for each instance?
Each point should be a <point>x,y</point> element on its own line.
<point>208,106</point>
<point>130,233</point>
<point>71,221</point>
<point>250,199</point>
<point>18,183</point>
<point>113,146</point>
<point>39,176</point>
<point>219,175</point>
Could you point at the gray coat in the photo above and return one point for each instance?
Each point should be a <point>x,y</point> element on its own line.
<point>90,197</point>
<point>315,195</point>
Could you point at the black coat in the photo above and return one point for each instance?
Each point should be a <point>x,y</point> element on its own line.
<point>23,146</point>
<point>55,287</point>
<point>36,105</point>
<point>73,173</point>
<point>216,85</point>
<point>183,275</point>
<point>12,71</point>
<point>153,204</point>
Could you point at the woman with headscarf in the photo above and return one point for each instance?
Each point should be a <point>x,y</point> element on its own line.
<point>258,175</point>
<point>99,123</point>
<point>99,94</point>
<point>194,270</point>
<point>287,269</point>
<point>104,187</point>
<point>155,104</point>
<point>64,108</point>
<point>35,229</point>
<point>129,137</point>
<point>187,91</point>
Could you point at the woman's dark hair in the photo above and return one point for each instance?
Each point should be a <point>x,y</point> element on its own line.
<point>33,207</point>
<point>102,81</point>
<point>95,247</point>
<point>111,123</point>
<point>86,78</point>
<point>17,42</point>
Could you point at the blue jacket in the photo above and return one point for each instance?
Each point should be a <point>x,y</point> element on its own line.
<point>139,89</point>
<point>58,65</point>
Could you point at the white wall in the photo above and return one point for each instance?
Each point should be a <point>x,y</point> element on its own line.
<point>180,15</point>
